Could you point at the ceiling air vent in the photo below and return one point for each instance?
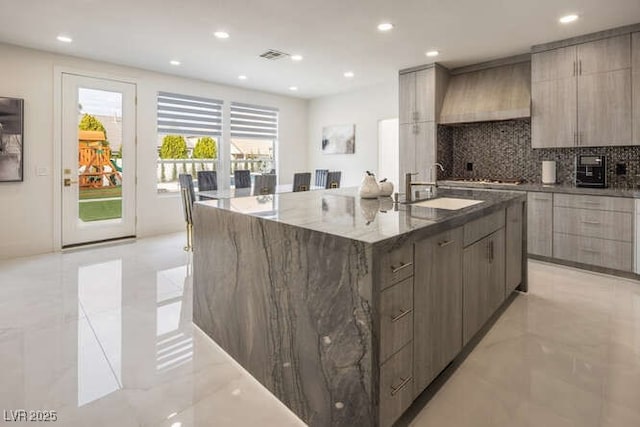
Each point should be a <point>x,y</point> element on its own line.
<point>273,54</point>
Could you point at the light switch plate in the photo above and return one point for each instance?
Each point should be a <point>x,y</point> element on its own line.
<point>42,171</point>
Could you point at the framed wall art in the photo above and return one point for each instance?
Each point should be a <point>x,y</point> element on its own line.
<point>11,139</point>
<point>339,139</point>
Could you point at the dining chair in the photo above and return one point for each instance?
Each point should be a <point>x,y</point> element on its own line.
<point>188,196</point>
<point>301,181</point>
<point>242,178</point>
<point>333,179</point>
<point>207,181</point>
<point>265,184</point>
<point>321,177</point>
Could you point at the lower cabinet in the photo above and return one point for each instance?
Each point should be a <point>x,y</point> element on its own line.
<point>396,386</point>
<point>484,281</point>
<point>540,223</point>
<point>514,247</point>
<point>438,305</point>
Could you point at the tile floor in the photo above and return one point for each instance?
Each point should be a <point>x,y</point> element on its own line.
<point>104,337</point>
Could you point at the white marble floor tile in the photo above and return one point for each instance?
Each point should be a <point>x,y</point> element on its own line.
<point>104,336</point>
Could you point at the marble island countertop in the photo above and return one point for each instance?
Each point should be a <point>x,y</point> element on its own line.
<point>341,212</point>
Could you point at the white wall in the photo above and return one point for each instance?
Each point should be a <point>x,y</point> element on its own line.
<point>364,107</point>
<point>26,208</point>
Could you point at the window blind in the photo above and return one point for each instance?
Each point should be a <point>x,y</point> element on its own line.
<point>189,115</point>
<point>253,121</point>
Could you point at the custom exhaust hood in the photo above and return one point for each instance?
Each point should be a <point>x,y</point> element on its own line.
<point>488,92</point>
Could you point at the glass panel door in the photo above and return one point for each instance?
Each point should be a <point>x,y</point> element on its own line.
<point>98,159</point>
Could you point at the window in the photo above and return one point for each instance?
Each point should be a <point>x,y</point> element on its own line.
<point>189,129</point>
<point>254,132</point>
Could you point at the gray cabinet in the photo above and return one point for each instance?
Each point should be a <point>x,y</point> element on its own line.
<point>554,112</point>
<point>418,96</point>
<point>594,230</point>
<point>483,282</point>
<point>417,148</point>
<point>396,333</point>
<point>438,305</point>
<point>513,247</point>
<point>581,95</point>
<point>635,68</point>
<point>407,95</point>
<point>540,223</point>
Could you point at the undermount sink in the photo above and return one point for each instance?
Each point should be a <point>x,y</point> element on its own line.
<point>448,203</point>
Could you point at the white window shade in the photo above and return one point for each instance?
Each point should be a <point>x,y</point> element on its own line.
<point>252,121</point>
<point>188,115</point>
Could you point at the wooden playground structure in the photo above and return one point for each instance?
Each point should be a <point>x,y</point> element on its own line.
<point>96,169</point>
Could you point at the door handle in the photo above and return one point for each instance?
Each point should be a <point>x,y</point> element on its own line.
<point>445,243</point>
<point>401,315</point>
<point>68,182</point>
<point>402,266</point>
<point>403,384</point>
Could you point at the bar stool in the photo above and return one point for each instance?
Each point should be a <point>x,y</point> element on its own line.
<point>301,181</point>
<point>333,179</point>
<point>188,196</point>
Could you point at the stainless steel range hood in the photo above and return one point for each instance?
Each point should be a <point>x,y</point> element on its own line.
<point>486,92</point>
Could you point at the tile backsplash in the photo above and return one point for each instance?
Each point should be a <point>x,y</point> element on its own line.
<point>502,150</point>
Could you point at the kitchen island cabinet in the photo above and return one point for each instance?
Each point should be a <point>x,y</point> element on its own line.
<point>345,309</point>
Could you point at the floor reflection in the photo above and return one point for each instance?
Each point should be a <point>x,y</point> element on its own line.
<point>99,288</point>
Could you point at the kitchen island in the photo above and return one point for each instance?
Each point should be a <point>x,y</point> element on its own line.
<point>347,309</point>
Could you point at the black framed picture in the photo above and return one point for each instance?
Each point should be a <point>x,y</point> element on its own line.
<point>11,139</point>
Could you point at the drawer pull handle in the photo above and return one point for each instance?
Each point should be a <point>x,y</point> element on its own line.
<point>591,202</point>
<point>445,243</point>
<point>591,222</point>
<point>402,266</point>
<point>542,199</point>
<point>590,250</point>
<point>401,315</point>
<point>403,384</point>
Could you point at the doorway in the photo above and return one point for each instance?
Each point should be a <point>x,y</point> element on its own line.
<point>98,159</point>
<point>388,151</point>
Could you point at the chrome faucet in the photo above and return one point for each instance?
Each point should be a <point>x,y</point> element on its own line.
<point>433,185</point>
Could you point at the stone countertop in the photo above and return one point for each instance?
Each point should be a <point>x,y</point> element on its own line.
<point>341,212</point>
<point>547,188</point>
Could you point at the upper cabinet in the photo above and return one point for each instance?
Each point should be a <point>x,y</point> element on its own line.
<point>581,94</point>
<point>635,53</point>
<point>417,96</point>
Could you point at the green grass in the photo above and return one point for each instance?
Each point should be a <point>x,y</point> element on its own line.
<point>100,193</point>
<point>100,210</point>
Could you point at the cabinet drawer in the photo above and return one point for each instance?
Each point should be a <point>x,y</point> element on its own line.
<point>590,250</point>
<point>397,265</point>
<point>619,204</point>
<point>396,324</point>
<point>610,225</point>
<point>396,386</point>
<point>481,227</point>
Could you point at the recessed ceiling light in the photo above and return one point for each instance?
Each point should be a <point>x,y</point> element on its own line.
<point>293,88</point>
<point>297,57</point>
<point>433,53</point>
<point>349,74</point>
<point>64,39</point>
<point>174,62</point>
<point>242,77</point>
<point>176,424</point>
<point>568,18</point>
<point>221,34</point>
<point>385,26</point>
